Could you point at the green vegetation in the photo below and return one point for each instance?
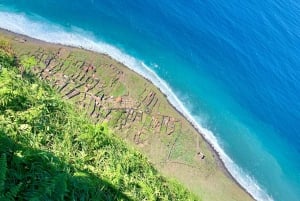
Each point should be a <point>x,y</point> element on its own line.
<point>6,54</point>
<point>120,90</point>
<point>27,63</point>
<point>48,151</point>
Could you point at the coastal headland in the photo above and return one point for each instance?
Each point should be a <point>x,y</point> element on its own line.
<point>136,110</point>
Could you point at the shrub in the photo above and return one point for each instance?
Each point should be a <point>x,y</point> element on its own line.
<point>6,54</point>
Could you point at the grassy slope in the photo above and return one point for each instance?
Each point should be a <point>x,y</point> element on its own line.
<point>145,127</point>
<point>50,152</point>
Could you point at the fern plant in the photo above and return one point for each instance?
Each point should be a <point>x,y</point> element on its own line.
<point>3,169</point>
<point>11,194</point>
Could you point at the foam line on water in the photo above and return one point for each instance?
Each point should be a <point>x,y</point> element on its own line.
<point>43,30</point>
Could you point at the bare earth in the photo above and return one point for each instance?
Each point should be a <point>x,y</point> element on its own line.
<point>136,110</point>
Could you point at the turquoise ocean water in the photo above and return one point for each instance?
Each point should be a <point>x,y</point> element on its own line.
<point>231,67</point>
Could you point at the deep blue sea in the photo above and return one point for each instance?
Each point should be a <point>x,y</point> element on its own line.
<point>232,67</point>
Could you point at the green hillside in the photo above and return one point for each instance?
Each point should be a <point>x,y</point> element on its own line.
<point>50,151</point>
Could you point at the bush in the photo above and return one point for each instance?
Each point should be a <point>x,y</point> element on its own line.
<point>6,59</point>
<point>27,63</point>
<point>6,54</point>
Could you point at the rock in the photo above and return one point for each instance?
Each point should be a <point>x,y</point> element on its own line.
<point>201,155</point>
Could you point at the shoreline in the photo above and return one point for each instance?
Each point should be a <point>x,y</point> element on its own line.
<point>220,163</point>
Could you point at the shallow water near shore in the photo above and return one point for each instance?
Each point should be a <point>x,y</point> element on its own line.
<point>234,69</point>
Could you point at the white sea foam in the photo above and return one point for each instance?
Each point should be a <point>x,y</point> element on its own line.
<point>40,29</point>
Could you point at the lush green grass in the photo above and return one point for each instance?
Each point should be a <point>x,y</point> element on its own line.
<point>119,90</point>
<point>48,151</point>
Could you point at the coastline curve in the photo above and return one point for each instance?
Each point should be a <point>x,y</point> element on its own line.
<point>21,24</point>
